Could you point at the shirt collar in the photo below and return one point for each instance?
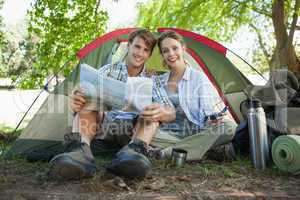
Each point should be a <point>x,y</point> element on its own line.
<point>186,76</point>
<point>143,72</point>
<point>123,69</point>
<point>187,73</point>
<point>123,66</point>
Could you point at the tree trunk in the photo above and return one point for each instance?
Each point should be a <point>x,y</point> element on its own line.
<point>284,54</point>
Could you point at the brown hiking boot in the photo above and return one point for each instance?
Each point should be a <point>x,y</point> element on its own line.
<point>131,161</point>
<point>77,162</point>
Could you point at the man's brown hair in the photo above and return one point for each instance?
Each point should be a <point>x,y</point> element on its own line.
<point>146,35</point>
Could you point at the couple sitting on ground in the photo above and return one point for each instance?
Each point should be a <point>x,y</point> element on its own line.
<point>180,117</point>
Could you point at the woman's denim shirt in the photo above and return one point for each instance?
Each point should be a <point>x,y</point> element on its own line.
<point>197,96</point>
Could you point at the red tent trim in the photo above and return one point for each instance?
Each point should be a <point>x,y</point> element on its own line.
<point>212,80</point>
<point>106,37</point>
<point>100,40</point>
<point>200,38</point>
<point>216,46</point>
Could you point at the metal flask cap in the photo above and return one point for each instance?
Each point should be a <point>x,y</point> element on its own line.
<point>254,103</point>
<point>178,157</point>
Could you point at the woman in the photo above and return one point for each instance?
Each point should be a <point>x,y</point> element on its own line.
<point>195,101</point>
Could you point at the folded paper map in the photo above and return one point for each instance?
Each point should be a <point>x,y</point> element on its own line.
<point>109,93</point>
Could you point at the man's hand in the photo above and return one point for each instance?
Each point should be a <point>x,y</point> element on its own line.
<point>157,113</point>
<point>77,101</point>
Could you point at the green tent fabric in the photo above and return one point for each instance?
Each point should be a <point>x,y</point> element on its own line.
<point>286,153</point>
<point>46,129</point>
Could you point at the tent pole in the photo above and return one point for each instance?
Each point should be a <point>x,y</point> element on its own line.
<point>45,87</point>
<point>249,65</point>
<point>27,112</point>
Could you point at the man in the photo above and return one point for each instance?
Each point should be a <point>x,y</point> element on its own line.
<point>130,161</point>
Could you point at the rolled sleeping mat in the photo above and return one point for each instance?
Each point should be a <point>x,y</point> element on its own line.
<point>286,153</point>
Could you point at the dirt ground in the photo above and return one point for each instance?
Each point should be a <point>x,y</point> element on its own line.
<point>22,180</point>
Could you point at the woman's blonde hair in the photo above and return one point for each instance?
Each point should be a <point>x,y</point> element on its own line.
<point>169,34</point>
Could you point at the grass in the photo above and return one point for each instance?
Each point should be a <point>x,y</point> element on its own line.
<point>198,176</point>
<point>203,176</point>
<point>9,131</point>
<point>206,169</point>
<point>7,137</point>
<point>5,129</point>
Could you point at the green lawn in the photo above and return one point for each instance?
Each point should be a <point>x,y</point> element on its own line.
<point>222,179</point>
<point>7,137</point>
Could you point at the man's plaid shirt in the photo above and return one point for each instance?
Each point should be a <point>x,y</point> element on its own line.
<point>119,72</point>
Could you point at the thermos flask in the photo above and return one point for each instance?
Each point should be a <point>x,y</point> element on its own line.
<point>257,127</point>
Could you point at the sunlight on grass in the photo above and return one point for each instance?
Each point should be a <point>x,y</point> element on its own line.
<point>7,137</point>
<point>213,170</point>
<point>5,129</point>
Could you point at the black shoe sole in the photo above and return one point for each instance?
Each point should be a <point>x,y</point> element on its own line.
<point>65,168</point>
<point>130,169</point>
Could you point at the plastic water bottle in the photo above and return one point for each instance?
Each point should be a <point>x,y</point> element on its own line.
<point>257,127</point>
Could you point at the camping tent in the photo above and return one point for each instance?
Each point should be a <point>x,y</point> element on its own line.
<point>54,118</point>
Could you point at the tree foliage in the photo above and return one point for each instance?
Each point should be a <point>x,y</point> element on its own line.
<point>220,20</point>
<point>15,53</point>
<point>216,19</point>
<point>1,42</point>
<point>18,53</point>
<point>60,29</point>
<point>1,23</point>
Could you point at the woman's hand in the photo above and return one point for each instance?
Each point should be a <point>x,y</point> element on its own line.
<point>215,121</point>
<point>77,101</point>
<point>157,113</point>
